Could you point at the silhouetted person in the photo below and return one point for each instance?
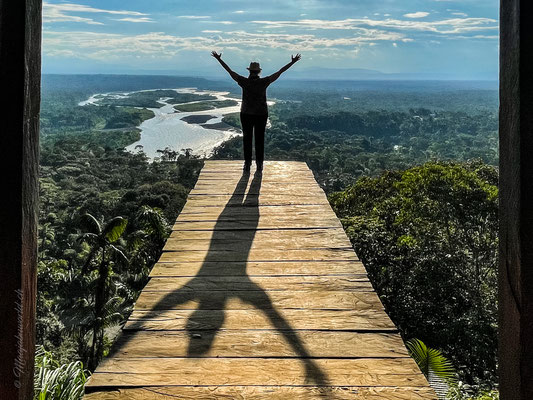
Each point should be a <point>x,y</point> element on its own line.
<point>254,109</point>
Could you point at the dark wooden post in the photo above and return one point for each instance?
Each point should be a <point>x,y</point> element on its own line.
<point>20,80</point>
<point>516,200</point>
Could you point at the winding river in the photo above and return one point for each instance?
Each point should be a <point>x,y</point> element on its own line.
<point>169,129</point>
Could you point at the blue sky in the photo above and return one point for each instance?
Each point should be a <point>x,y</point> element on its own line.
<point>451,37</point>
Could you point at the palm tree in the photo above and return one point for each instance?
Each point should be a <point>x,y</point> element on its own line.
<point>145,244</point>
<point>102,241</point>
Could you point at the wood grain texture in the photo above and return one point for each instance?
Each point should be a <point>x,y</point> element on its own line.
<point>260,343</point>
<point>399,372</point>
<point>515,284</point>
<point>244,300</point>
<point>268,268</point>
<point>261,283</point>
<point>228,254</point>
<point>213,200</point>
<point>20,80</point>
<point>266,223</point>
<point>265,393</point>
<point>335,320</point>
<point>287,239</point>
<point>258,294</point>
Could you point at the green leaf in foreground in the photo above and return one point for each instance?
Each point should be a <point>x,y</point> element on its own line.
<point>431,360</point>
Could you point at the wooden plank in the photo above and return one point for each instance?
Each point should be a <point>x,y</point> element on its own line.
<point>265,393</point>
<point>228,187</point>
<point>258,344</point>
<point>273,224</point>
<point>350,320</point>
<point>273,268</point>
<point>216,254</point>
<point>266,283</point>
<point>250,213</point>
<point>290,180</point>
<point>264,210</point>
<point>245,300</point>
<point>275,192</point>
<point>256,220</point>
<point>399,372</point>
<point>208,200</point>
<point>287,239</point>
<point>270,166</point>
<point>241,243</point>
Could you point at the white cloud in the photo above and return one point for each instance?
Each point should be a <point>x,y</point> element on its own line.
<point>135,20</point>
<point>395,44</point>
<point>109,47</point>
<point>418,14</point>
<point>194,16</point>
<point>460,14</point>
<point>219,22</point>
<point>445,27</point>
<point>211,31</point>
<point>63,13</point>
<point>239,12</point>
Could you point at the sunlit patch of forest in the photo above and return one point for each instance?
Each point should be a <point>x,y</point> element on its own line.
<point>411,173</point>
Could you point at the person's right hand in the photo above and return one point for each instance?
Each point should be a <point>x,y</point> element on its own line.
<point>218,56</point>
<point>296,58</point>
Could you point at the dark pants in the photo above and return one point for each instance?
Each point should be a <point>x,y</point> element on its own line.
<point>253,124</point>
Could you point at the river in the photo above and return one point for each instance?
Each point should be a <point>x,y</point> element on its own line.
<point>168,129</point>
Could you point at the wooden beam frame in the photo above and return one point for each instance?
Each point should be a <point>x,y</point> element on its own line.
<point>20,80</point>
<point>516,201</point>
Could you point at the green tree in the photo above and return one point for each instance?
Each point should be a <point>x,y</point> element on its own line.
<point>102,240</point>
<point>428,238</point>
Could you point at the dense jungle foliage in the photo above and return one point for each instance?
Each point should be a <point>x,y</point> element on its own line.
<point>428,238</point>
<point>342,146</point>
<point>410,170</point>
<point>90,186</point>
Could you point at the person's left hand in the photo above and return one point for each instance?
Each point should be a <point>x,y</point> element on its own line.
<point>218,56</point>
<point>296,58</point>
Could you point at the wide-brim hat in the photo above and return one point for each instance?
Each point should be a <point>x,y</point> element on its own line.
<point>254,67</point>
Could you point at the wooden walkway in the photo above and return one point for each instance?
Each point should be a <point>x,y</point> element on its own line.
<point>258,295</point>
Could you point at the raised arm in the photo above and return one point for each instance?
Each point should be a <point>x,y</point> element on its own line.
<point>233,74</point>
<point>294,60</point>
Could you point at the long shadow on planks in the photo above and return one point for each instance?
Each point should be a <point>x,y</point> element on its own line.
<point>211,305</point>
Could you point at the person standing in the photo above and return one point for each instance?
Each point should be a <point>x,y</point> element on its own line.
<point>254,108</point>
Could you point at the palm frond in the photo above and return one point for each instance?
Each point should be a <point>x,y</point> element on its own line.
<point>58,382</point>
<point>431,360</point>
<point>90,257</point>
<point>115,228</point>
<point>118,254</point>
<point>90,224</point>
<point>153,221</point>
<point>136,239</point>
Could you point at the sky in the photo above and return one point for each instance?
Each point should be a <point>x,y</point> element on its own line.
<point>458,39</point>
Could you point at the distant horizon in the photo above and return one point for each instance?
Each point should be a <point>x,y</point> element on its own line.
<point>298,77</point>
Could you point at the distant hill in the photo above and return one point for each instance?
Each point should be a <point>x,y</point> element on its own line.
<point>301,72</point>
<point>339,80</point>
<point>123,83</point>
<point>358,74</point>
<point>338,74</point>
